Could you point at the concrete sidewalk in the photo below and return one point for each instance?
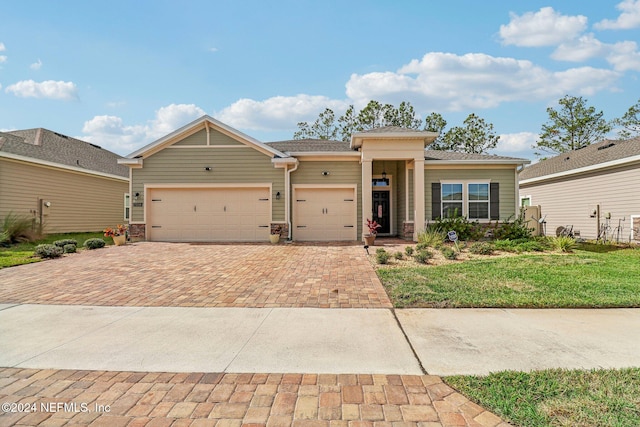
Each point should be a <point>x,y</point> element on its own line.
<point>293,340</point>
<point>178,339</point>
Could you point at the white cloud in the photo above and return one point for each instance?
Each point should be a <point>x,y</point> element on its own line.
<point>446,81</point>
<point>3,58</point>
<point>48,89</point>
<point>2,47</point>
<point>629,18</point>
<point>36,65</point>
<point>622,56</point>
<point>111,133</point>
<point>277,113</point>
<point>516,142</point>
<point>543,28</point>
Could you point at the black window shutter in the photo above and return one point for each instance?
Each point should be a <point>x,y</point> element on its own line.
<point>435,200</point>
<point>494,202</point>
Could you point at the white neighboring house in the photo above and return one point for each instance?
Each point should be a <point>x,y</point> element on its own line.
<point>593,189</point>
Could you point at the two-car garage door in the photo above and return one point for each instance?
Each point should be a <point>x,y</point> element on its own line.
<point>236,214</point>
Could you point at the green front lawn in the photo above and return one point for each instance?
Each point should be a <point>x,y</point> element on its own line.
<point>558,397</point>
<point>586,278</point>
<point>23,253</point>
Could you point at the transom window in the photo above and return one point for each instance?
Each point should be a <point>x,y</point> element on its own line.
<point>470,200</point>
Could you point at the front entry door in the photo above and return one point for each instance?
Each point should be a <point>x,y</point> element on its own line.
<point>381,213</point>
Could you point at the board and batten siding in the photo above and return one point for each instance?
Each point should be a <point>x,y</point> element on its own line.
<point>340,172</point>
<point>79,202</point>
<point>229,165</point>
<point>572,199</point>
<point>505,177</point>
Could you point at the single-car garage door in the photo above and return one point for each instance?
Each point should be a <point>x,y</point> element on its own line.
<point>324,214</point>
<point>209,214</point>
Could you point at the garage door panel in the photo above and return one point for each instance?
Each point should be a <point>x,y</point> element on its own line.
<point>209,214</point>
<point>325,214</point>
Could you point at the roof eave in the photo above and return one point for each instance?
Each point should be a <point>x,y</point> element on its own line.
<point>478,162</point>
<point>605,165</point>
<point>325,153</point>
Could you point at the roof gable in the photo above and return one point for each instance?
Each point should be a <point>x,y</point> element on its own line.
<point>208,123</point>
<point>54,148</point>
<point>590,156</point>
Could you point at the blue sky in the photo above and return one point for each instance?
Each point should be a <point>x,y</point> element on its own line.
<point>122,74</point>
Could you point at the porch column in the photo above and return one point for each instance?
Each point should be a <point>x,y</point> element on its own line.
<point>418,197</point>
<point>367,202</point>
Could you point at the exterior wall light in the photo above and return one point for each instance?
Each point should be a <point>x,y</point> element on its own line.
<point>278,195</point>
<point>208,168</point>
<point>325,173</point>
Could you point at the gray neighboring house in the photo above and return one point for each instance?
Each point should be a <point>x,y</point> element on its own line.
<point>68,184</point>
<point>594,186</point>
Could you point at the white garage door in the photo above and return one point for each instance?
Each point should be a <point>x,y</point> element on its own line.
<point>209,214</point>
<point>324,214</point>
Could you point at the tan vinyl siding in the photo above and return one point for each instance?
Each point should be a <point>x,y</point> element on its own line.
<point>571,200</point>
<point>229,165</point>
<point>200,138</point>
<point>340,172</point>
<point>506,178</point>
<point>79,202</point>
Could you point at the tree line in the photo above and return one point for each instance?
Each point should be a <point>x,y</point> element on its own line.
<point>572,126</point>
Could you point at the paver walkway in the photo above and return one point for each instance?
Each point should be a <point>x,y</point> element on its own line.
<point>206,275</point>
<point>199,399</point>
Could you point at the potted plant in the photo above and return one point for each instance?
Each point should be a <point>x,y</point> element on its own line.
<point>370,238</point>
<point>119,234</point>
<point>275,234</point>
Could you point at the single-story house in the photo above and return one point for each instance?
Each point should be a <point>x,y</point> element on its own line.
<point>65,184</point>
<point>209,182</point>
<point>591,189</point>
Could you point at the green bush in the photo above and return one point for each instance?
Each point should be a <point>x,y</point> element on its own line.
<point>94,243</point>
<point>398,255</point>
<point>449,253</point>
<point>563,243</point>
<point>48,251</point>
<point>408,250</point>
<point>465,229</point>
<point>481,248</point>
<point>431,237</point>
<point>17,229</point>
<point>423,256</point>
<point>513,230</point>
<point>69,249</point>
<point>64,242</point>
<point>382,256</point>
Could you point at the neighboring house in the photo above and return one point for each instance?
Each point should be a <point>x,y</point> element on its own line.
<point>593,188</point>
<point>66,184</point>
<point>209,182</point>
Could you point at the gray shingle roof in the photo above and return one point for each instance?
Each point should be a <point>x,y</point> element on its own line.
<point>310,145</point>
<point>43,144</point>
<point>591,155</point>
<point>449,155</point>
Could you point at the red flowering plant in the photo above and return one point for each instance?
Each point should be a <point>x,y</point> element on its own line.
<point>120,230</point>
<point>373,226</point>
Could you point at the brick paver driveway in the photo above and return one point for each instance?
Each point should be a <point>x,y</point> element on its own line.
<point>206,275</point>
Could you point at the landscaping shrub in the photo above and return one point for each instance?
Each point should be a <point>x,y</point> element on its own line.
<point>465,229</point>
<point>94,243</point>
<point>431,237</point>
<point>69,248</point>
<point>64,242</point>
<point>449,253</point>
<point>17,229</point>
<point>408,250</point>
<point>398,255</point>
<point>423,256</point>
<point>512,230</point>
<point>481,248</point>
<point>48,251</point>
<point>382,256</point>
<point>563,243</point>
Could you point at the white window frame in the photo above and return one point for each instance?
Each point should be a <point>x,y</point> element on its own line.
<point>524,198</point>
<point>127,206</point>
<point>465,198</point>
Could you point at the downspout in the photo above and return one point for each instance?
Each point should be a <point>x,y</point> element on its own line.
<point>287,200</point>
